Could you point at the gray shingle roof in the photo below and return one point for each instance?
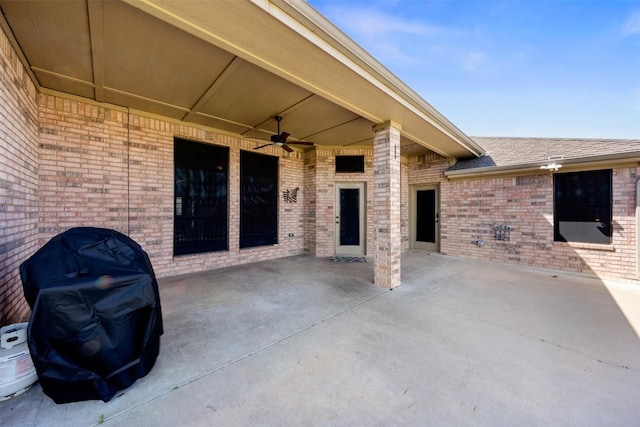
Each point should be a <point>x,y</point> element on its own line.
<point>512,152</point>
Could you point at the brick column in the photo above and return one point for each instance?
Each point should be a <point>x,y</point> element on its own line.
<point>386,201</point>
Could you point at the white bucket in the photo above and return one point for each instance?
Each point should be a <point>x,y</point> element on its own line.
<point>17,373</point>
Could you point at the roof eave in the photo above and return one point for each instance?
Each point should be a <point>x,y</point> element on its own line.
<point>328,32</point>
<point>567,165</point>
<point>304,21</point>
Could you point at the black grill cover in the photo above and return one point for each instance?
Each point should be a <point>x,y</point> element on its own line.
<point>96,321</point>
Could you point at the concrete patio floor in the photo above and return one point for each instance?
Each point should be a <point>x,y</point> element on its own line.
<point>308,341</point>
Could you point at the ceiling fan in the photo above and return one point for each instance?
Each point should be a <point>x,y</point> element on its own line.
<point>280,139</point>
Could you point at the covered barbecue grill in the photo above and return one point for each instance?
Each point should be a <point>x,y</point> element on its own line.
<point>96,320</point>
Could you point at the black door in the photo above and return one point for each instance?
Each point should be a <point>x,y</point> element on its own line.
<point>349,216</point>
<point>350,219</point>
<point>425,226</point>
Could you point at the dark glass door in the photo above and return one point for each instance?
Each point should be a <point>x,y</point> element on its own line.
<point>349,216</point>
<point>426,216</point>
<point>350,219</point>
<point>424,219</point>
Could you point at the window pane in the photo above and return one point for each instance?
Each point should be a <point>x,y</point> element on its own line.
<point>349,216</point>
<point>582,203</point>
<point>258,199</point>
<point>200,205</point>
<point>349,164</point>
<point>426,216</point>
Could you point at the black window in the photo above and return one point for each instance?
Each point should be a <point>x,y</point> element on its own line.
<point>349,164</point>
<point>582,207</point>
<point>258,199</point>
<point>200,219</point>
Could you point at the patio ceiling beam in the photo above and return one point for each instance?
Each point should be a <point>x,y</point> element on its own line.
<point>64,77</point>
<point>96,30</point>
<point>335,68</point>
<point>259,126</point>
<point>218,82</point>
<point>335,127</point>
<point>4,25</point>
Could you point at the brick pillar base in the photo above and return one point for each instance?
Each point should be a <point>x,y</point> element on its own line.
<point>386,202</point>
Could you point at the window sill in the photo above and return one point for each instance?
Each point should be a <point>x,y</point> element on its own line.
<point>588,246</point>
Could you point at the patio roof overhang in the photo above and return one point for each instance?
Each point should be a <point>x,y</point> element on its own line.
<point>228,65</point>
<point>631,159</point>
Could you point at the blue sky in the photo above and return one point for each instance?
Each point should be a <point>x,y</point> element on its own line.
<point>544,68</point>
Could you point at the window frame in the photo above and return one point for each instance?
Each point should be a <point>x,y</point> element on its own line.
<point>211,236</point>
<point>579,206</point>
<point>348,161</point>
<point>251,235</point>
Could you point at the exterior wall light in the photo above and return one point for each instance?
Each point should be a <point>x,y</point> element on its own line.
<point>552,166</point>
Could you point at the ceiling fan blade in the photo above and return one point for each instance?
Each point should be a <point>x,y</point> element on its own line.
<point>300,142</point>
<point>280,139</point>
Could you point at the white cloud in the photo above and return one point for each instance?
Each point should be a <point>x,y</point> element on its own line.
<point>388,36</point>
<point>632,26</point>
<point>406,42</point>
<point>474,60</point>
<point>394,53</point>
<point>377,24</point>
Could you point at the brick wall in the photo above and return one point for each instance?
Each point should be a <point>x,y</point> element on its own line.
<point>425,169</point>
<point>67,163</point>
<point>320,180</point>
<point>471,207</point>
<point>387,206</point>
<point>404,204</point>
<point>105,167</point>
<point>18,180</point>
<point>310,191</point>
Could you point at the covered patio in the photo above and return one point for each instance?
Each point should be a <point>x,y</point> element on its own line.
<point>113,104</point>
<point>305,340</point>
